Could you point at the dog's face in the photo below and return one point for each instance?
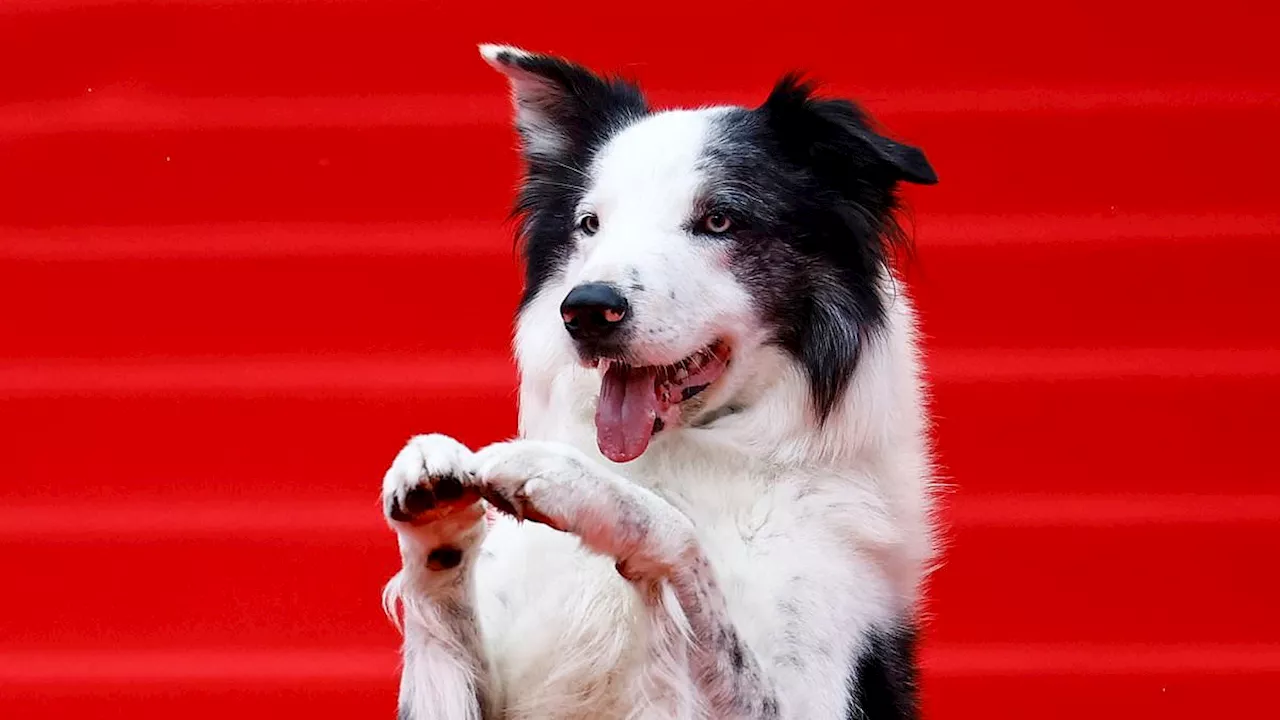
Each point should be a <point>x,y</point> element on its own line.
<point>672,245</point>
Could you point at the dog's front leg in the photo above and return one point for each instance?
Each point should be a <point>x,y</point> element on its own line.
<point>656,548</point>
<point>439,523</point>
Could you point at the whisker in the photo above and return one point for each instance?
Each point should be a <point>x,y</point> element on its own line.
<point>566,186</point>
<point>581,173</point>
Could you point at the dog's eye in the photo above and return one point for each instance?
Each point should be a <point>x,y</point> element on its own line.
<point>716,223</point>
<point>589,224</point>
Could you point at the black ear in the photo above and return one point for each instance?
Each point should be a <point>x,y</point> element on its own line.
<point>827,133</point>
<point>562,107</point>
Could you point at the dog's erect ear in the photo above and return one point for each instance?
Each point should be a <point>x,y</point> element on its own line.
<point>562,107</point>
<point>826,132</point>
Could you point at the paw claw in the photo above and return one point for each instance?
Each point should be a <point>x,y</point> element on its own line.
<point>520,506</point>
<point>499,501</point>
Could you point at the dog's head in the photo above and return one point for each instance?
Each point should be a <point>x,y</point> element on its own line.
<point>665,248</point>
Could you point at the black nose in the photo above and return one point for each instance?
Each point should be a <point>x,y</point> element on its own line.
<point>593,311</point>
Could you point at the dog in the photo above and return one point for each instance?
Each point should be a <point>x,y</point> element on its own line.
<point>719,504</point>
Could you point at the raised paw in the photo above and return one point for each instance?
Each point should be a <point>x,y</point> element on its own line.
<point>429,482</point>
<point>529,480</point>
<point>559,486</point>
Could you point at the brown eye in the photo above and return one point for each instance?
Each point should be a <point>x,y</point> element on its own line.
<point>589,224</point>
<point>716,223</point>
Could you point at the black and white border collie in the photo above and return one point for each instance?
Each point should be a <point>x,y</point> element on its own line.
<point>719,503</point>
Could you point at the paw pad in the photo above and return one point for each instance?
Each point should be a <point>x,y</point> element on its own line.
<point>447,489</point>
<point>436,493</point>
<point>444,558</point>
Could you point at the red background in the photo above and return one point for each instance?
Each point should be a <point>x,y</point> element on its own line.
<point>248,247</point>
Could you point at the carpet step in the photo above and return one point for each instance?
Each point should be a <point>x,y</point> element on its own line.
<point>307,573</point>
<point>1071,681</point>
<point>1006,422</point>
<point>1045,681</point>
<point>1127,568</point>
<point>245,159</point>
<point>288,48</point>
<point>1107,422</point>
<point>281,585</point>
<point>331,695</point>
<point>337,293</point>
<point>1018,281</point>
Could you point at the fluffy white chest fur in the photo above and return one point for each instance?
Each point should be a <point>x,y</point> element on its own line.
<point>738,534</point>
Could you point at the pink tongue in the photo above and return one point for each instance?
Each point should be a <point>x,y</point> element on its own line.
<point>626,410</point>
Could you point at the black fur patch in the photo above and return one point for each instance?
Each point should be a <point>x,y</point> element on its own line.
<point>883,683</point>
<point>736,657</point>
<point>811,190</point>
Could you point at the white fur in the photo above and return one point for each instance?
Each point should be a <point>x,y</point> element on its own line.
<point>831,523</point>
<point>644,199</point>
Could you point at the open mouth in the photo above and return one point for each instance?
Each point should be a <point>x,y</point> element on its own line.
<point>636,401</point>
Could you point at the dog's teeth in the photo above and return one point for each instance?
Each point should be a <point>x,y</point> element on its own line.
<point>681,374</point>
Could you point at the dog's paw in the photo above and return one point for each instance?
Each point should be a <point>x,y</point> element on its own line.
<point>429,482</point>
<point>561,487</point>
<point>531,480</point>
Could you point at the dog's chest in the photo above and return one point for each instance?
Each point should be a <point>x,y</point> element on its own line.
<point>775,546</point>
<point>777,538</point>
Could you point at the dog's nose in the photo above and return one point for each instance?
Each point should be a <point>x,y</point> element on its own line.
<point>593,311</point>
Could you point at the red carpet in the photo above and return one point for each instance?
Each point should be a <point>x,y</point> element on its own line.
<point>248,248</point>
